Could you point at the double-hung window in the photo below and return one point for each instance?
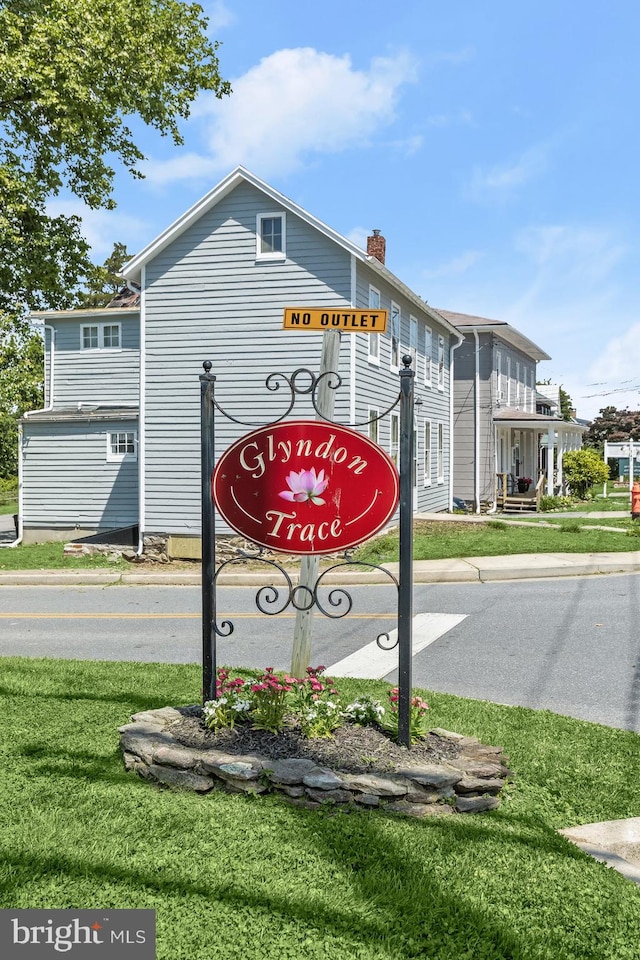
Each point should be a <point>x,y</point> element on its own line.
<point>100,336</point>
<point>395,336</point>
<point>372,416</point>
<point>440,460</point>
<point>428,354</point>
<point>394,445</point>
<point>427,453</point>
<point>413,342</point>
<point>374,338</point>
<point>270,236</point>
<point>440,363</point>
<point>122,445</point>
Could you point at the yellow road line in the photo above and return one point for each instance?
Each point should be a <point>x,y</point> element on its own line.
<point>166,616</point>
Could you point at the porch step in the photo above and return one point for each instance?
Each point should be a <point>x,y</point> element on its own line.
<point>519,504</point>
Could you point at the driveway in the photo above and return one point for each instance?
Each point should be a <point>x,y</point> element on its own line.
<point>7,528</point>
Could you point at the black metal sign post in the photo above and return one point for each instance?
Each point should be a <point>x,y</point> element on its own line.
<point>405,592</point>
<point>207,450</point>
<point>269,599</point>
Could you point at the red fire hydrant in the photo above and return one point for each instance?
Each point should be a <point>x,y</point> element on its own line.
<point>635,501</point>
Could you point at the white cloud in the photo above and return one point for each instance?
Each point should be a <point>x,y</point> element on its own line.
<point>504,179</point>
<point>614,377</point>
<point>455,267</point>
<point>454,57</point>
<point>219,16</point>
<point>572,302</point>
<point>293,104</point>
<point>571,270</point>
<point>409,145</point>
<point>359,236</point>
<point>101,228</point>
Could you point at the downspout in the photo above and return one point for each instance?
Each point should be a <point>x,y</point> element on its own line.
<point>352,348</point>
<point>45,409</point>
<point>494,506</point>
<point>141,418</point>
<point>452,384</point>
<point>48,406</point>
<point>476,414</point>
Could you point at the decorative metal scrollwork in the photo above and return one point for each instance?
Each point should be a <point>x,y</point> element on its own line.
<point>303,382</point>
<point>273,600</point>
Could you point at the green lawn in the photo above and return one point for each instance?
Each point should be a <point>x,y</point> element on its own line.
<point>436,540</point>
<point>251,878</point>
<point>49,556</point>
<point>8,506</point>
<point>433,540</point>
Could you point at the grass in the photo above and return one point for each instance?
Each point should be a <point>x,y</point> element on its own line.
<point>8,506</point>
<point>436,540</point>
<point>433,540</point>
<point>241,878</point>
<point>49,556</point>
<point>619,523</point>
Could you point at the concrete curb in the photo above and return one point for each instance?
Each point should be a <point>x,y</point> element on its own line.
<point>470,570</point>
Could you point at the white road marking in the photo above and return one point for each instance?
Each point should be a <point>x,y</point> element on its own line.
<point>372,663</point>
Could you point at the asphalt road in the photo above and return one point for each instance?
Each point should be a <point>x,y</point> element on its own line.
<point>570,645</point>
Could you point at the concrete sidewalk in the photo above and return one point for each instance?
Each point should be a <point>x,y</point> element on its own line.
<point>473,569</point>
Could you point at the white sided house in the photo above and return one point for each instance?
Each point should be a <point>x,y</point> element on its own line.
<point>118,443</point>
<point>508,446</point>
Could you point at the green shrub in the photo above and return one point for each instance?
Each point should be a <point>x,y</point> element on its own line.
<point>582,469</point>
<point>548,503</point>
<point>8,486</point>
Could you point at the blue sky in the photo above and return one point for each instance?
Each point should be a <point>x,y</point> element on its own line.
<point>494,144</point>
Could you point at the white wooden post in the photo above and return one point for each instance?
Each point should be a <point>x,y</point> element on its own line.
<point>550,439</point>
<point>303,629</point>
<point>562,439</point>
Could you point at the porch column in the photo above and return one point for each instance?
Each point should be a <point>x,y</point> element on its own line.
<point>550,440</point>
<point>562,440</point>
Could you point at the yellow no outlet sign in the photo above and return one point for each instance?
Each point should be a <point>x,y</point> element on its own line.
<point>348,320</point>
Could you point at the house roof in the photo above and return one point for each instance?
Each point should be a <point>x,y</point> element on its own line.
<point>90,313</point>
<point>522,418</point>
<point>129,296</point>
<point>132,269</point>
<point>508,413</point>
<point>466,321</point>
<point>84,411</point>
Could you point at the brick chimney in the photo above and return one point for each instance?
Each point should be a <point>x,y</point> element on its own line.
<point>376,246</point>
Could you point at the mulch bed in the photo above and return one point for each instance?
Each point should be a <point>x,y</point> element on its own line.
<point>352,748</point>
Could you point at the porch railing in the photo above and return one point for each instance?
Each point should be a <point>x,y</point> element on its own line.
<point>506,492</point>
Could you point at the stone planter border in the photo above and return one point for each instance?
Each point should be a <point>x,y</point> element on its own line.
<point>470,783</point>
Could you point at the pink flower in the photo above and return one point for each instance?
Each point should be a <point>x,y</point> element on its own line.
<point>304,486</point>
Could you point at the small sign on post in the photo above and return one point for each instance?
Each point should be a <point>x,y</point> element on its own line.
<point>349,320</point>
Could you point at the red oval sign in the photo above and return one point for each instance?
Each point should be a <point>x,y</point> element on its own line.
<point>305,486</point>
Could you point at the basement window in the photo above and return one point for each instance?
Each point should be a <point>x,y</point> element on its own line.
<point>122,445</point>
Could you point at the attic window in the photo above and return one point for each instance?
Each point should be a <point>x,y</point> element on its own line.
<point>270,236</point>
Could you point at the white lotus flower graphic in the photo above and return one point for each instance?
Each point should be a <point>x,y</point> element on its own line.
<point>304,486</point>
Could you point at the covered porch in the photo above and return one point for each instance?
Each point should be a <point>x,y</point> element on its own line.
<point>529,450</point>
